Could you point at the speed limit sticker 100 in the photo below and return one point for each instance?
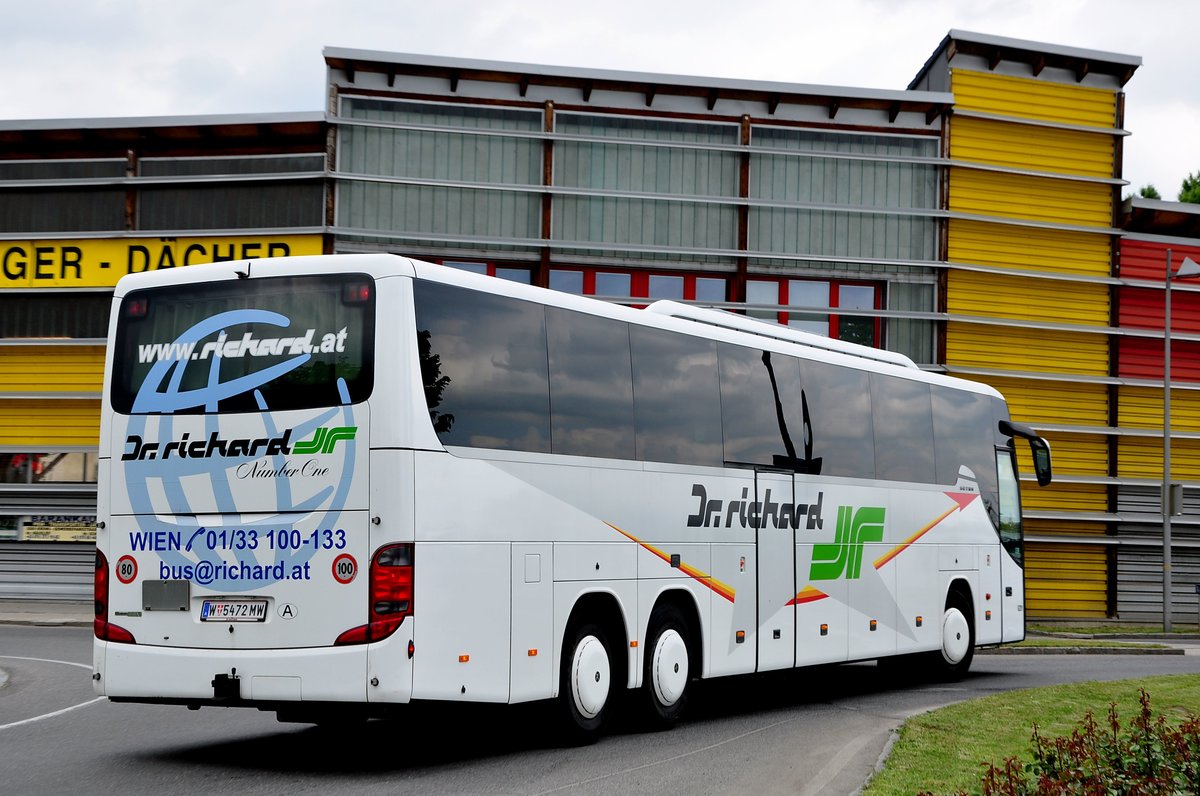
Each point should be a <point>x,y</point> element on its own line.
<point>126,569</point>
<point>344,568</point>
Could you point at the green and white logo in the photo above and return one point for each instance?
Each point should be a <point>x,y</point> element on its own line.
<point>325,439</point>
<point>844,556</point>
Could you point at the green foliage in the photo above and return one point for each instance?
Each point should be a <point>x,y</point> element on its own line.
<point>1189,191</point>
<point>1151,757</point>
<point>1148,191</point>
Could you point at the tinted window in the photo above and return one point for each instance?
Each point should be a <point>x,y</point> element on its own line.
<point>839,405</point>
<point>245,345</point>
<point>678,404</point>
<point>964,436</point>
<point>760,407</point>
<point>591,385</point>
<point>903,429</point>
<point>483,360</point>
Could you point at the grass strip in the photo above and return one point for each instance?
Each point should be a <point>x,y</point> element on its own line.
<point>943,751</point>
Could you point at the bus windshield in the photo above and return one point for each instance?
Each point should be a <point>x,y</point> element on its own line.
<point>249,345</point>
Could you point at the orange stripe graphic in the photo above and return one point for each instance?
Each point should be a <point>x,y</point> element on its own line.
<point>807,595</point>
<point>723,589</point>
<point>961,501</point>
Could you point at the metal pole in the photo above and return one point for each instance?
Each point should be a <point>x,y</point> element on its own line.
<point>1166,485</point>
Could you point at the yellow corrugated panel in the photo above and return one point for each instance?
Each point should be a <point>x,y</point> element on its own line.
<point>1003,296</point>
<point>1141,407</point>
<point>1066,580</point>
<point>1142,457</point>
<point>33,424</point>
<point>1064,497</point>
<point>1059,528</point>
<point>1031,148</point>
<point>986,193</point>
<point>51,368</point>
<point>1026,98</point>
<point>1029,248</point>
<point>1060,403</point>
<point>1008,348</point>
<point>1078,454</point>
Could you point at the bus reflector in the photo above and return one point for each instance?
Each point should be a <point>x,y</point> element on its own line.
<point>464,658</point>
<point>533,653</point>
<point>390,595</point>
<point>105,630</point>
<point>987,615</point>
<point>740,637</point>
<point>920,621</point>
<point>824,630</point>
<point>874,625</point>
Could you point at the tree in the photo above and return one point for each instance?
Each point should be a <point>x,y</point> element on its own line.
<point>1190,190</point>
<point>1148,191</point>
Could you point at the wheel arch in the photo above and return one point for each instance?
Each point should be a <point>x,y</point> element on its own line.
<point>602,608</point>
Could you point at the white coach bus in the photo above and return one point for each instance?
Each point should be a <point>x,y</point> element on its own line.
<point>331,486</point>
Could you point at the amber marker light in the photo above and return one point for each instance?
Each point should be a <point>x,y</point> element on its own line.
<point>533,653</point>
<point>464,658</point>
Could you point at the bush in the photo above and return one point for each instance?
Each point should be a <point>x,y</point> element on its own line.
<point>1152,757</point>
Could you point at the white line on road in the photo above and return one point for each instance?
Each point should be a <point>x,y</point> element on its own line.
<point>57,712</point>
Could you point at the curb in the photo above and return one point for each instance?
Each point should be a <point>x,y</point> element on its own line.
<point>44,622</point>
<point>1082,651</point>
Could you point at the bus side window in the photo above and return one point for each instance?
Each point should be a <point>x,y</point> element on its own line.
<point>677,398</point>
<point>839,406</point>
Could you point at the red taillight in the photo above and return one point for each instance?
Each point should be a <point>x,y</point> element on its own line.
<point>356,293</point>
<point>104,629</point>
<point>390,595</point>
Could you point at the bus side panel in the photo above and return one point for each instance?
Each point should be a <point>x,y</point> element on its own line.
<point>462,606</point>
<point>921,599</point>
<point>532,660</point>
<point>1013,605</point>
<point>990,630</point>
<point>734,567</point>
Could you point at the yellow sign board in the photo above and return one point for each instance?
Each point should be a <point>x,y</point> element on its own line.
<point>101,262</point>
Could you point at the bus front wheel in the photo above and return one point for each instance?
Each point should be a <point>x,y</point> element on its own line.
<point>958,640</point>
<point>667,668</point>
<point>586,688</point>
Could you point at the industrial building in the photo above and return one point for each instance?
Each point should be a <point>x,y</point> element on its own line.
<point>973,221</point>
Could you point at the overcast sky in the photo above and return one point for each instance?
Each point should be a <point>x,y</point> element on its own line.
<point>120,58</point>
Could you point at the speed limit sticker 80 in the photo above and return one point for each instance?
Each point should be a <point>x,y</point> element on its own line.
<point>344,568</point>
<point>126,569</point>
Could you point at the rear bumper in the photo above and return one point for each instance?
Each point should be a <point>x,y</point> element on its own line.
<point>369,673</point>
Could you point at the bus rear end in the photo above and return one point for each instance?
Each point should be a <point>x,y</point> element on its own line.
<point>235,563</point>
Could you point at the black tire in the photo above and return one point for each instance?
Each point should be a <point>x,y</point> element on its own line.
<point>586,690</point>
<point>953,660</point>
<point>667,669</point>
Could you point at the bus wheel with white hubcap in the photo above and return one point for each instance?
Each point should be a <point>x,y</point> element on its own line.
<point>586,680</point>
<point>667,669</point>
<point>958,641</point>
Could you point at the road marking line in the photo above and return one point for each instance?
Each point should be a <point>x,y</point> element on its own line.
<point>57,712</point>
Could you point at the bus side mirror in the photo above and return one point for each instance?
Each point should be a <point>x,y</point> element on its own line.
<point>1037,446</point>
<point>1041,460</point>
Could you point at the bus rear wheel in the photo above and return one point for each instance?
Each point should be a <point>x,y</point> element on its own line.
<point>667,668</point>
<point>586,686</point>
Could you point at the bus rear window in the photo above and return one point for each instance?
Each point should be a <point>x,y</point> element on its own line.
<point>250,345</point>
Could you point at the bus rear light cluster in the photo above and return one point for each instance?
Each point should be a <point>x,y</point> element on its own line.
<point>105,630</point>
<point>390,595</point>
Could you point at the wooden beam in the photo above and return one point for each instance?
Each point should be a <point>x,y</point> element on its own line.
<point>712,98</point>
<point>834,106</point>
<point>524,85</point>
<point>1039,64</point>
<point>391,73</point>
<point>1081,71</point>
<point>587,91</point>
<point>773,104</point>
<point>454,81</point>
<point>993,59</point>
<point>651,90</point>
<point>893,112</point>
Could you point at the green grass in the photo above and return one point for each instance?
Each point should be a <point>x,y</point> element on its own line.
<point>943,751</point>
<point>1085,642</point>
<point>1108,630</point>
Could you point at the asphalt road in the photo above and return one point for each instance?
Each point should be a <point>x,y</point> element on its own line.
<point>815,731</point>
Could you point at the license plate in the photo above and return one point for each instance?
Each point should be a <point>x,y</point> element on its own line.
<point>233,611</point>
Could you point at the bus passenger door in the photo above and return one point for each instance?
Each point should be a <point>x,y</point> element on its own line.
<point>775,545</point>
